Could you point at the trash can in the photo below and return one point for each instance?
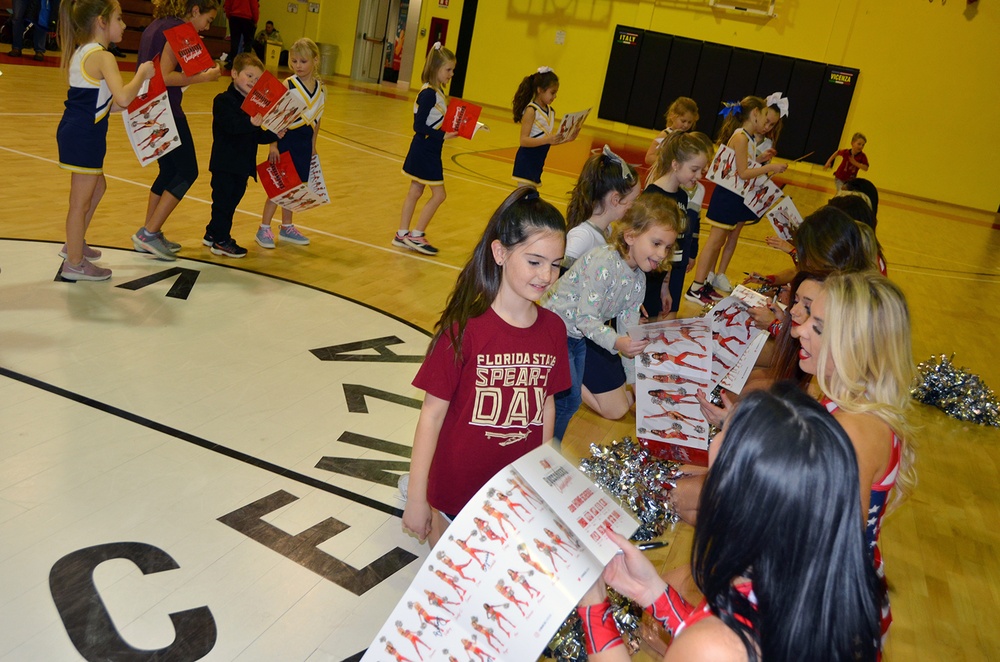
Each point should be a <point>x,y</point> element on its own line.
<point>327,59</point>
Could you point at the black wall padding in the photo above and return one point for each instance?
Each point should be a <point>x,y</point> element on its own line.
<point>648,70</point>
<point>741,79</point>
<point>775,72</point>
<point>648,82</point>
<point>803,94</point>
<point>679,78</point>
<point>831,112</point>
<point>621,73</point>
<point>708,82</point>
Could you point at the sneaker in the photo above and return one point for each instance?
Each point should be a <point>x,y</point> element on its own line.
<point>399,240</point>
<point>229,248</point>
<point>291,234</point>
<point>40,57</point>
<point>419,244</point>
<point>264,237</point>
<point>172,245</point>
<point>88,252</point>
<point>703,295</point>
<point>153,244</point>
<point>86,271</point>
<point>207,240</point>
<point>14,52</point>
<point>721,283</point>
<point>712,294</point>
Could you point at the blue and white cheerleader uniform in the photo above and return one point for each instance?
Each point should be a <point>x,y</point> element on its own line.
<point>529,161</point>
<point>298,141</point>
<point>423,161</point>
<point>82,135</point>
<point>726,208</point>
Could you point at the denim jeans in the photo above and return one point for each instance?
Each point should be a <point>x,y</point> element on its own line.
<point>568,401</point>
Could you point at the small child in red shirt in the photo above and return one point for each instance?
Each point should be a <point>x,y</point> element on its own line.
<point>854,159</point>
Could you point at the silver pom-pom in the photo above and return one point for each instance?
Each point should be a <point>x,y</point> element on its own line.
<point>567,644</point>
<point>956,392</point>
<point>640,481</point>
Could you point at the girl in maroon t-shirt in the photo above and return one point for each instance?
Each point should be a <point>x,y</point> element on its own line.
<point>493,366</point>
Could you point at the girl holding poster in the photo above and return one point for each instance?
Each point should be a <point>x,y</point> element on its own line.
<point>423,161</point>
<point>178,167</point>
<point>475,419</point>
<point>300,141</point>
<point>744,131</point>
<point>86,29</point>
<point>539,131</point>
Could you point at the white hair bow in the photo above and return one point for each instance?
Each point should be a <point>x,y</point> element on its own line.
<point>777,100</point>
<point>544,70</point>
<point>436,46</point>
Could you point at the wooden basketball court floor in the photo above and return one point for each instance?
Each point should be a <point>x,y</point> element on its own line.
<point>199,457</point>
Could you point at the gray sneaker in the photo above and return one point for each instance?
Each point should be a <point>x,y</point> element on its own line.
<point>154,244</point>
<point>291,234</point>
<point>172,245</point>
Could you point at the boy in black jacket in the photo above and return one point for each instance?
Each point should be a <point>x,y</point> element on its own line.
<point>235,137</point>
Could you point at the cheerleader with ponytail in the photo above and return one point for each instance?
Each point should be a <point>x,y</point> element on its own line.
<point>423,161</point>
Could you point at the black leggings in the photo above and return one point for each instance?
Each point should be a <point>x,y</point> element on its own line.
<point>178,167</point>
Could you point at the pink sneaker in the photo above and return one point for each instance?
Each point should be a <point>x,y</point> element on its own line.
<point>88,252</point>
<point>85,271</point>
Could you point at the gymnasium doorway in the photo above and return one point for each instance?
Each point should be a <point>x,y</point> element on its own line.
<point>385,41</point>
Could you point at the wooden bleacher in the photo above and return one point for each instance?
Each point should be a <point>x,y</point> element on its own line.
<point>139,13</point>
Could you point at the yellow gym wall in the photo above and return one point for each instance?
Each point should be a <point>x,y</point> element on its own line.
<point>926,98</point>
<point>338,21</point>
<point>453,14</point>
<point>292,26</point>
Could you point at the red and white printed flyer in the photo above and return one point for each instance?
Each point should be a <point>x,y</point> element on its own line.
<point>272,99</point>
<point>462,118</point>
<point>510,568</point>
<point>149,122</point>
<point>286,189</point>
<point>189,49</point>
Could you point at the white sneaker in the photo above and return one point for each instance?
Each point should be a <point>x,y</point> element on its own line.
<point>721,283</point>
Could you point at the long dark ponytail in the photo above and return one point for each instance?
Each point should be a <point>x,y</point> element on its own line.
<point>542,79</point>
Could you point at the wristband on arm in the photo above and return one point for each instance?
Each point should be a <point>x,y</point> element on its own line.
<point>600,633</point>
<point>670,609</point>
<point>775,328</point>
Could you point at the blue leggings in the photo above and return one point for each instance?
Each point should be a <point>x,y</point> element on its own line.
<point>568,401</point>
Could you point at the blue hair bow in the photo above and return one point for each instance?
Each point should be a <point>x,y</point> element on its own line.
<point>729,108</point>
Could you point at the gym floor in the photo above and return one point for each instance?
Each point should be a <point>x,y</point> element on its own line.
<point>201,456</point>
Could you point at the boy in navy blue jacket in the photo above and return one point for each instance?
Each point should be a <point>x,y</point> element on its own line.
<point>235,138</point>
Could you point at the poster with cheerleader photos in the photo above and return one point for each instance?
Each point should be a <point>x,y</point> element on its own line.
<point>509,569</point>
<point>149,122</point>
<point>272,99</point>
<point>317,183</point>
<point>676,363</point>
<point>284,188</point>
<point>733,335</point>
<point>722,171</point>
<point>572,122</point>
<point>763,194</point>
<point>736,378</point>
<point>785,218</point>
<point>189,49</point>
